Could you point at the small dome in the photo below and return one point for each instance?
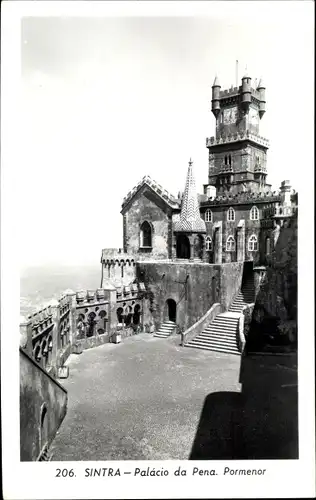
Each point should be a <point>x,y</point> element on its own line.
<point>216,82</point>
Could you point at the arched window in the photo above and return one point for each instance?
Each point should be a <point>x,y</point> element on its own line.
<point>254,213</point>
<point>253,243</point>
<point>225,159</point>
<point>119,314</point>
<point>208,216</point>
<point>230,159</point>
<point>268,245</point>
<point>230,244</point>
<point>145,235</point>
<point>208,243</point>
<point>230,214</point>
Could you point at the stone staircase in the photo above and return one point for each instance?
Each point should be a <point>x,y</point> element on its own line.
<point>222,334</point>
<point>165,329</point>
<point>246,295</point>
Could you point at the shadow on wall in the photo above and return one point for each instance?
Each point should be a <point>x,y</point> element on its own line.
<point>274,321</point>
<point>261,422</point>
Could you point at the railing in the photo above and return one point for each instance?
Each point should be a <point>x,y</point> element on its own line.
<point>199,326</point>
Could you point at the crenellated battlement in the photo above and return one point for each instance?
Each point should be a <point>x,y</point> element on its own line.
<point>243,197</point>
<point>236,137</point>
<point>87,317</point>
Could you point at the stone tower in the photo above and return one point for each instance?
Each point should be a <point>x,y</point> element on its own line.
<point>237,153</point>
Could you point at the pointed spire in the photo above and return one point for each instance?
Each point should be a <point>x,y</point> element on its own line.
<point>190,218</point>
<point>261,84</point>
<point>216,82</point>
<point>246,75</point>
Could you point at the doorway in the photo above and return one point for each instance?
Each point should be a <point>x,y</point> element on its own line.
<point>183,247</point>
<point>172,310</point>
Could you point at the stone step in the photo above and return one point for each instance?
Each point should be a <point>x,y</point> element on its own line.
<point>215,349</point>
<point>221,328</point>
<point>226,319</point>
<point>216,341</point>
<point>243,299</point>
<point>230,324</point>
<point>213,344</point>
<point>165,329</point>
<point>221,335</point>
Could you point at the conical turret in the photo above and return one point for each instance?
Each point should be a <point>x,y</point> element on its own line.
<point>190,218</point>
<point>262,105</point>
<point>215,97</point>
<point>246,91</point>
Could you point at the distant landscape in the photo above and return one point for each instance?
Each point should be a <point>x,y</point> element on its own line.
<point>38,285</point>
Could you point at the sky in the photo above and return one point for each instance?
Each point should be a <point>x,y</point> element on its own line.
<point>106,100</point>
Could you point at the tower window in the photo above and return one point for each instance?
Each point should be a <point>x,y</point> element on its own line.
<point>253,243</point>
<point>231,214</point>
<point>230,244</point>
<point>268,245</point>
<point>145,235</point>
<point>254,213</point>
<point>230,159</point>
<point>225,159</point>
<point>208,243</point>
<point>208,216</point>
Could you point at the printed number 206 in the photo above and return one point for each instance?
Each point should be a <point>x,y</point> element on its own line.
<point>64,473</point>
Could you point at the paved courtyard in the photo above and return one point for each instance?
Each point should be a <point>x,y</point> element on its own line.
<point>143,399</point>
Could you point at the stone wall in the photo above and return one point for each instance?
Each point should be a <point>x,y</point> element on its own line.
<point>242,212</point>
<point>275,313</point>
<point>43,404</point>
<point>147,207</point>
<point>195,287</point>
<point>230,282</point>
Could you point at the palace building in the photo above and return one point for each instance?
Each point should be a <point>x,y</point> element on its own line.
<point>198,249</point>
<point>214,270</point>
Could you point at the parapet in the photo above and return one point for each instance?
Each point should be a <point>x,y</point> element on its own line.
<point>244,197</point>
<point>113,256</point>
<point>237,136</point>
<point>131,291</point>
<point>236,91</point>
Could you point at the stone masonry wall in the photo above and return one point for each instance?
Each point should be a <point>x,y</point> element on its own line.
<point>145,208</point>
<point>194,287</point>
<point>38,391</point>
<point>230,282</point>
<point>242,212</point>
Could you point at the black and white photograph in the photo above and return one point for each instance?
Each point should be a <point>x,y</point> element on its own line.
<point>157,249</point>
